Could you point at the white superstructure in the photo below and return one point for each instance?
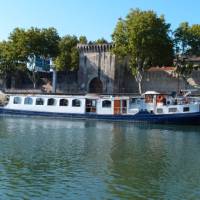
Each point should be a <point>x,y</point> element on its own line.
<point>152,102</point>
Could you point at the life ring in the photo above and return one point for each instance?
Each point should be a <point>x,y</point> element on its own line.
<point>159,98</point>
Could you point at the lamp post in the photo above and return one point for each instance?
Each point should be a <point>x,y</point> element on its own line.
<point>54,77</point>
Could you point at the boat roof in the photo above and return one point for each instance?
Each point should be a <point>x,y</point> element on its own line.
<point>150,92</point>
<point>87,96</point>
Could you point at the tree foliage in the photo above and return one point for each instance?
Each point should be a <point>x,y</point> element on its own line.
<point>182,38</point>
<point>101,41</point>
<point>67,58</point>
<point>34,41</point>
<point>187,40</point>
<point>120,39</point>
<point>83,40</point>
<point>144,38</point>
<point>7,62</point>
<point>45,43</point>
<point>194,42</point>
<point>40,42</point>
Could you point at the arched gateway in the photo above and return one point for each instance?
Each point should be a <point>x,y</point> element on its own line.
<point>96,72</point>
<point>95,86</point>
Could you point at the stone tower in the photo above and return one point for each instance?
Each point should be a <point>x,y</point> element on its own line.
<point>96,68</point>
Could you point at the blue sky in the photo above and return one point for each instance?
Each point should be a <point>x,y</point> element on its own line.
<point>92,18</point>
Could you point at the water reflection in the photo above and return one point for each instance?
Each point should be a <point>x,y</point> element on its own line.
<point>76,159</point>
<point>154,162</point>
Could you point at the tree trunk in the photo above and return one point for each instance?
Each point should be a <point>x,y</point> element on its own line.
<point>34,80</point>
<point>138,78</point>
<point>140,87</point>
<point>4,83</point>
<point>34,85</point>
<point>32,76</point>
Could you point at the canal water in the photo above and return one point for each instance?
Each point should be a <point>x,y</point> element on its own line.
<point>48,159</point>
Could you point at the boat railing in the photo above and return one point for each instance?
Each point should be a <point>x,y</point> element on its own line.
<point>180,101</point>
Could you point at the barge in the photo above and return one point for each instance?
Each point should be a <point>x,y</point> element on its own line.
<point>151,107</point>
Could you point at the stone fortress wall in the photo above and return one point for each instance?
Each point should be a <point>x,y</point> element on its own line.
<point>101,72</point>
<point>97,62</point>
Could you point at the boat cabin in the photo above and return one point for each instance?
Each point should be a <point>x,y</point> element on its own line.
<point>89,104</point>
<point>159,103</point>
<point>151,102</point>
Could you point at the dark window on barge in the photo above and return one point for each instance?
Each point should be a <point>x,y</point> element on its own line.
<point>39,101</point>
<point>159,110</point>
<point>186,109</point>
<point>106,104</point>
<point>64,102</point>
<point>51,102</point>
<point>28,101</point>
<point>17,100</point>
<point>76,103</point>
<point>172,110</point>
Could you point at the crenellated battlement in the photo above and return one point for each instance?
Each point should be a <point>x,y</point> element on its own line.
<point>95,47</point>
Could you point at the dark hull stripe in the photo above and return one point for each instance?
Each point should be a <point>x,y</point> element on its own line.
<point>185,118</point>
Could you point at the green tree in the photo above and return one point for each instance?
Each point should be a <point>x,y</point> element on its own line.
<point>194,40</point>
<point>83,40</point>
<point>143,38</point>
<point>67,58</point>
<point>40,42</point>
<point>7,61</point>
<point>34,41</point>
<point>50,40</point>
<point>182,37</point>
<point>187,40</point>
<point>19,43</point>
<point>101,41</point>
<point>120,39</point>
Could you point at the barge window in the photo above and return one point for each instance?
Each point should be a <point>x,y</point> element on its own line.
<point>186,109</point>
<point>76,103</point>
<point>159,110</point>
<point>51,102</point>
<point>39,101</point>
<point>172,109</point>
<point>28,101</point>
<point>106,104</point>
<point>17,100</point>
<point>149,98</point>
<point>132,101</point>
<point>64,102</point>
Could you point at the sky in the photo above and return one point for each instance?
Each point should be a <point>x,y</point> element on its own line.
<point>93,18</point>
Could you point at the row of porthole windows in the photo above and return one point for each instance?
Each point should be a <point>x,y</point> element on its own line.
<point>50,101</point>
<point>173,110</point>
